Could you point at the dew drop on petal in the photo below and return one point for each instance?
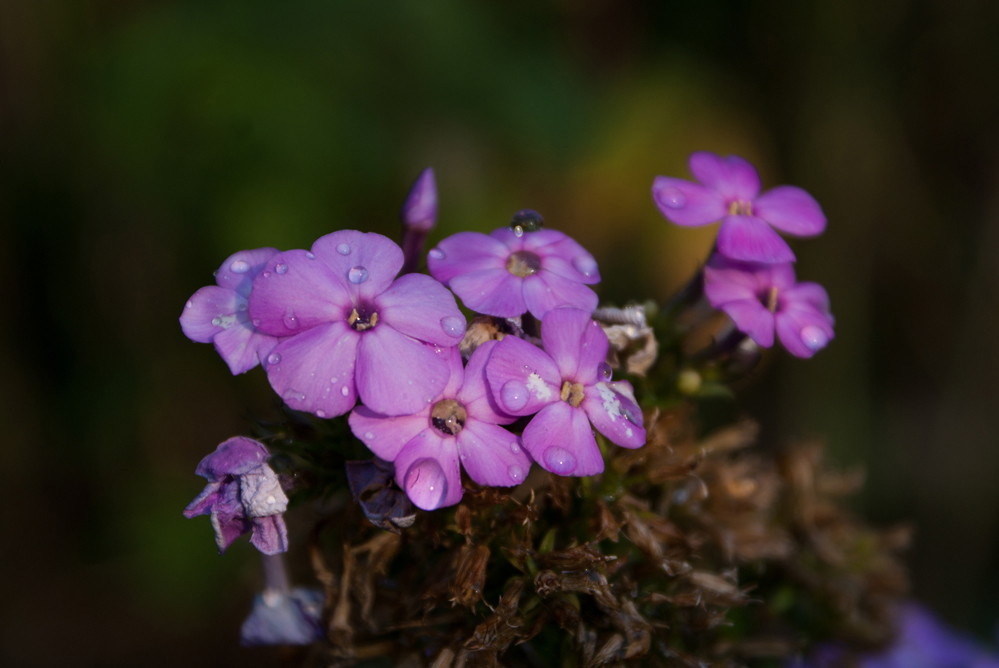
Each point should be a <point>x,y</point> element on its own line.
<point>672,197</point>
<point>190,304</point>
<point>311,256</point>
<point>515,448</point>
<point>321,413</point>
<point>605,371</point>
<point>584,264</point>
<point>256,322</point>
<point>293,395</point>
<point>514,395</point>
<point>239,267</point>
<point>559,461</point>
<point>436,254</point>
<point>813,337</point>
<point>274,358</point>
<point>344,390</point>
<point>518,231</point>
<point>426,484</point>
<point>215,273</point>
<point>266,274</point>
<point>216,321</point>
<point>357,275</point>
<point>281,268</point>
<point>290,321</point>
<point>516,473</point>
<point>368,435</point>
<point>453,325</point>
<point>343,249</point>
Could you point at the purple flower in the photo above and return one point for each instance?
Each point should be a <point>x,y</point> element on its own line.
<point>419,212</point>
<point>459,427</point>
<point>243,494</point>
<point>348,329</point>
<point>218,313</point>
<point>568,386</point>
<point>293,617</point>
<point>729,191</point>
<point>762,297</point>
<point>509,272</point>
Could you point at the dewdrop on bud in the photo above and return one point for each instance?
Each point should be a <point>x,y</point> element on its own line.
<point>419,212</point>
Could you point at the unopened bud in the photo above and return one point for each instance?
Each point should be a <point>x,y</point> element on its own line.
<point>419,213</point>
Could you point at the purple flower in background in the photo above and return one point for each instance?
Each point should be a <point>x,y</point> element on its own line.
<point>218,313</point>
<point>729,190</point>
<point>293,617</point>
<point>348,329</point>
<point>460,427</point>
<point>763,297</point>
<point>568,386</point>
<point>509,272</point>
<point>243,494</point>
<point>419,212</point>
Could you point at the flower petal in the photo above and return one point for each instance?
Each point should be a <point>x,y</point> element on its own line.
<point>397,375</point>
<point>427,468</point>
<point>242,347</point>
<point>807,293</point>
<point>284,618</point>
<point>491,455</point>
<point>750,239</point>
<point>386,436</point>
<point>563,256</point>
<point>752,318</point>
<point>612,409</point>
<point>365,263</point>
<point>209,311</point>
<point>202,503</point>
<point>270,534</point>
<point>575,342</point>
<point>314,371</point>
<point>727,280</point>
<point>239,269</point>
<point>686,203</point>
<point>545,291</point>
<point>521,377</point>
<point>420,307</point>
<point>466,253</point>
<point>474,394</point>
<point>792,210</point>
<point>804,331</point>
<point>732,177</point>
<point>492,292</point>
<point>294,293</point>
<point>561,441</point>
<point>235,456</point>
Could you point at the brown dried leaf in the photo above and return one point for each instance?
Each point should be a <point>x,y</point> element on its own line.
<point>470,577</point>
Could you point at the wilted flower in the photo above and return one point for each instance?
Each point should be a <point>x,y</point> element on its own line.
<point>568,386</point>
<point>459,427</point>
<point>510,271</point>
<point>278,617</point>
<point>729,190</point>
<point>419,212</point>
<point>218,313</point>
<point>243,494</point>
<point>763,297</point>
<point>351,330</point>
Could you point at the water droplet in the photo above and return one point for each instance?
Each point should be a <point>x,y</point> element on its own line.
<point>584,264</point>
<point>436,254</point>
<point>605,372</point>
<point>242,306</point>
<point>528,220</point>
<point>357,275</point>
<point>514,395</point>
<point>320,413</point>
<point>463,456</point>
<point>518,231</point>
<point>559,461</point>
<point>672,198</point>
<point>293,395</point>
<point>344,390</point>
<point>311,256</point>
<point>256,322</point>
<point>215,273</point>
<point>515,473</point>
<point>239,267</point>
<point>514,448</point>
<point>453,325</point>
<point>814,337</point>
<point>190,304</point>
<point>281,268</point>
<point>266,274</point>
<point>343,249</point>
<point>368,435</point>
<point>274,358</point>
<point>425,484</point>
<point>290,321</point>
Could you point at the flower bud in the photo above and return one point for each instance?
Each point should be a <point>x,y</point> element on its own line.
<point>419,213</point>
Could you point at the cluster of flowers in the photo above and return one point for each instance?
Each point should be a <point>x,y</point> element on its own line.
<point>337,324</point>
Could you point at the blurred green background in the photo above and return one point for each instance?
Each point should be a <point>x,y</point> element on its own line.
<point>142,142</point>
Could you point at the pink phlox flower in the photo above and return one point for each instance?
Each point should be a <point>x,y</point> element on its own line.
<point>219,313</point>
<point>349,329</point>
<point>506,274</point>
<point>568,386</point>
<point>243,495</point>
<point>460,427</point>
<point>764,298</point>
<point>729,190</point>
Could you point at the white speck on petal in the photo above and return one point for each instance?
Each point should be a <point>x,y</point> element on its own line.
<point>612,404</point>
<point>539,387</point>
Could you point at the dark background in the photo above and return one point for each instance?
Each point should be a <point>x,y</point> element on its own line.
<point>143,142</point>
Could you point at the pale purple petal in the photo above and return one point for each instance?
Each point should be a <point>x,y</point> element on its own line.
<point>804,331</point>
<point>270,534</point>
<point>295,292</point>
<point>209,311</point>
<point>239,269</point>
<point>474,394</point>
<point>752,318</point>
<point>419,212</point>
<point>397,375</point>
<point>465,253</point>
<point>521,377</point>
<point>792,210</point>
<point>491,455</point>
<point>559,438</point>
<point>575,342</point>
<point>545,291</point>
<point>427,468</point>
<point>242,347</point>
<point>314,371</point>
<point>456,378</point>
<point>228,519</point>
<point>750,239</point>
<point>284,618</point>
<point>385,436</point>
<point>364,263</point>
<point>686,203</point>
<point>807,294</point>
<point>236,456</point>
<point>492,291</point>
<point>202,503</point>
<point>727,280</point>
<point>732,177</point>
<point>563,256</point>
<point>420,307</point>
<point>511,241</point>
<point>612,409</point>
